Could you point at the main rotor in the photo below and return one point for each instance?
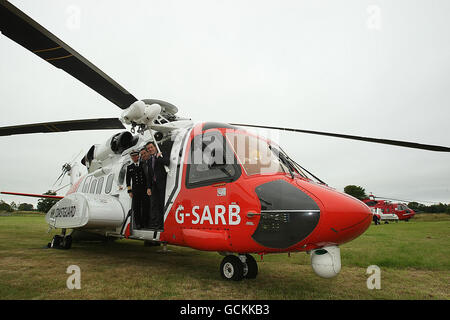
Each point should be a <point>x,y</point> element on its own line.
<point>142,115</point>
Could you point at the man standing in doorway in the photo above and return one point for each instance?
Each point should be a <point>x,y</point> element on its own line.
<point>144,156</point>
<point>136,185</point>
<point>157,185</point>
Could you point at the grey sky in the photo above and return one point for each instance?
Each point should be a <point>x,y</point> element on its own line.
<point>372,68</point>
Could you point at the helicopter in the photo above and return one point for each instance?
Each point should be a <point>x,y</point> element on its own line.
<point>401,210</point>
<point>228,190</point>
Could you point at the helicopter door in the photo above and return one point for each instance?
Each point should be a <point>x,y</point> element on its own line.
<point>203,209</point>
<point>173,181</point>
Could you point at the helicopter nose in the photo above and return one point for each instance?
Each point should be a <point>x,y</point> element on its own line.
<point>291,213</point>
<point>343,217</point>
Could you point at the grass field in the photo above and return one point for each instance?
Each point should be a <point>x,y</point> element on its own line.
<point>414,258</point>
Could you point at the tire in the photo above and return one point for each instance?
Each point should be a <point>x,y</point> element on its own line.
<point>232,268</point>
<point>252,267</point>
<point>56,242</point>
<point>67,242</point>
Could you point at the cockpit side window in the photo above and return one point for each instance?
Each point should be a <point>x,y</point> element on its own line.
<point>210,161</point>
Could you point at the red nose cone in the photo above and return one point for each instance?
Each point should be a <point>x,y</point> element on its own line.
<point>342,217</point>
<point>348,219</point>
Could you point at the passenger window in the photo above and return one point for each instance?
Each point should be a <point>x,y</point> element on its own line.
<point>99,185</point>
<point>109,183</point>
<point>87,181</point>
<point>122,173</point>
<point>211,160</point>
<point>93,184</point>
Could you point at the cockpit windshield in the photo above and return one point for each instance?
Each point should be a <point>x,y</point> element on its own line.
<point>298,168</point>
<point>258,156</point>
<point>255,154</point>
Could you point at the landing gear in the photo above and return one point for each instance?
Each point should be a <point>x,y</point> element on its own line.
<point>61,241</point>
<point>67,242</point>
<point>56,242</point>
<point>238,267</point>
<point>251,266</point>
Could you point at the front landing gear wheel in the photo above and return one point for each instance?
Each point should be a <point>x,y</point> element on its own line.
<point>232,268</point>
<point>56,241</point>
<point>61,242</point>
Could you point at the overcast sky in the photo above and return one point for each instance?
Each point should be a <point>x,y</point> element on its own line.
<point>371,68</point>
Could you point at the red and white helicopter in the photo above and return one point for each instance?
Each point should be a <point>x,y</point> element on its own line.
<point>399,210</point>
<point>228,190</point>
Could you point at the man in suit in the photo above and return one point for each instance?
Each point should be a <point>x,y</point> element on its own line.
<point>144,156</point>
<point>157,184</point>
<point>136,185</point>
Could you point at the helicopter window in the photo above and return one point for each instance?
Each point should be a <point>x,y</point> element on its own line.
<point>210,161</point>
<point>86,184</point>
<point>93,185</point>
<point>99,185</point>
<point>109,182</point>
<point>255,155</point>
<point>123,172</point>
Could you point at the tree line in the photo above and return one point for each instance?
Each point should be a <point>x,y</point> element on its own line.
<point>43,205</point>
<point>10,207</point>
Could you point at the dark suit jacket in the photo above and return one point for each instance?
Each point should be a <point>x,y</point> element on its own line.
<point>158,171</point>
<point>136,179</point>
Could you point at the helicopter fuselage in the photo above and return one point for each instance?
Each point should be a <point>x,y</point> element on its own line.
<point>234,206</point>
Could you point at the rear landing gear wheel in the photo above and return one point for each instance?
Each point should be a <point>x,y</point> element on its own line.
<point>251,267</point>
<point>232,268</point>
<point>67,242</point>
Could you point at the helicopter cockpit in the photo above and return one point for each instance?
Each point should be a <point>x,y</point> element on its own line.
<point>219,154</point>
<point>259,156</point>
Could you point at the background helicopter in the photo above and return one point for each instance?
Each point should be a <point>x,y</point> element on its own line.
<point>97,126</point>
<point>386,206</point>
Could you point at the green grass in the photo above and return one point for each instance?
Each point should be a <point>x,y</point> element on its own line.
<point>413,257</point>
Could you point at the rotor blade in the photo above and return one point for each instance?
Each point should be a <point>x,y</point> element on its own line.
<point>367,139</point>
<point>63,126</point>
<point>20,28</point>
<point>32,195</point>
<point>404,200</point>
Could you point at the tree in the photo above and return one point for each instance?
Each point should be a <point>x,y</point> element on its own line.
<point>417,207</point>
<point>356,191</point>
<point>26,207</point>
<point>45,204</point>
<point>5,207</point>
